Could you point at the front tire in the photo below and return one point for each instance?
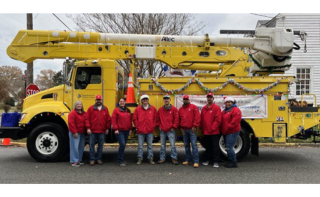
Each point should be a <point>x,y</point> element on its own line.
<point>48,142</point>
<point>241,147</point>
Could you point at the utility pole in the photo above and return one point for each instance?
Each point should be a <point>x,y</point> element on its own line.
<point>29,65</point>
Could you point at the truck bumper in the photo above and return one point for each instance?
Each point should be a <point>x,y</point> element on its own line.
<point>14,133</point>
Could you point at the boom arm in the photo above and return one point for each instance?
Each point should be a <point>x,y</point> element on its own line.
<point>274,45</point>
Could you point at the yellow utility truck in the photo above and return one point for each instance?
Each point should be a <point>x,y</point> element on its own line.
<point>226,66</point>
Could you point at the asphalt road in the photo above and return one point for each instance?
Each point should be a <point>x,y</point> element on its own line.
<point>275,165</point>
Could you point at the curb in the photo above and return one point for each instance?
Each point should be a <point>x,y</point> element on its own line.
<point>181,144</point>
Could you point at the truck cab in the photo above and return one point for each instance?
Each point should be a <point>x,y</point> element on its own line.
<point>45,114</point>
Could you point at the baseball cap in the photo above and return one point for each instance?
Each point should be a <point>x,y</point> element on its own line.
<point>166,96</point>
<point>98,97</point>
<point>185,97</point>
<point>144,96</point>
<point>229,99</point>
<point>210,94</point>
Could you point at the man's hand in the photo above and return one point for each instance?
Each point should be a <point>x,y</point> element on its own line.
<point>107,131</point>
<point>130,132</point>
<point>116,132</point>
<point>182,131</point>
<point>89,131</point>
<point>75,135</point>
<point>193,130</point>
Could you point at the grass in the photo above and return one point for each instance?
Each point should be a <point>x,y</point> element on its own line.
<point>24,140</point>
<point>290,140</point>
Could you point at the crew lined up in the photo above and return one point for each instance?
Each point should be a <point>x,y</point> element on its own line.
<point>96,122</point>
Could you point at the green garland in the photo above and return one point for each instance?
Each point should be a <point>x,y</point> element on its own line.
<point>229,81</point>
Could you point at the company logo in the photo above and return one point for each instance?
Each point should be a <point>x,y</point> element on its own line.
<point>167,39</point>
<point>79,95</point>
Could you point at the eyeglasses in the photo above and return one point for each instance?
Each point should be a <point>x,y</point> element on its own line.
<point>185,99</point>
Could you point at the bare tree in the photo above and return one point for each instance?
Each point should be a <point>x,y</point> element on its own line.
<point>4,94</point>
<point>153,23</point>
<point>45,79</point>
<point>10,82</point>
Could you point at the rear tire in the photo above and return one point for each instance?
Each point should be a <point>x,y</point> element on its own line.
<point>48,142</point>
<point>241,147</point>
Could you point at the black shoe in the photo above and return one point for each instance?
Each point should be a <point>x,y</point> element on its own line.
<point>231,165</point>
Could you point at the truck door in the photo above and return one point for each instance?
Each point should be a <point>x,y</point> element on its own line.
<point>87,85</point>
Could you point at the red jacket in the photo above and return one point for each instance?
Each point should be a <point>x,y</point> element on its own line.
<point>121,119</point>
<point>210,120</point>
<point>230,122</point>
<point>98,121</point>
<point>145,120</point>
<point>76,122</point>
<point>168,118</point>
<point>189,116</point>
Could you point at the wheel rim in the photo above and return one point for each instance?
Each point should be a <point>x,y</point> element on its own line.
<point>237,146</point>
<point>47,143</point>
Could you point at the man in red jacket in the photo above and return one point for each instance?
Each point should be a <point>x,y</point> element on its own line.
<point>168,118</point>
<point>210,127</point>
<point>189,120</point>
<point>98,123</point>
<point>144,118</point>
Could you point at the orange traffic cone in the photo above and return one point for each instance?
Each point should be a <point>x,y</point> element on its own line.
<point>6,142</point>
<point>130,102</point>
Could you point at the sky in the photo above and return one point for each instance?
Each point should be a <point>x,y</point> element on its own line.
<point>216,15</point>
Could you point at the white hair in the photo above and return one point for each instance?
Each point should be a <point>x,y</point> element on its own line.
<point>75,105</point>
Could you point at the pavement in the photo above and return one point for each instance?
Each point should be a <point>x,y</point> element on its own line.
<point>274,165</point>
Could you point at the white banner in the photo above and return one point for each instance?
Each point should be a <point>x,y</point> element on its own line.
<point>252,107</point>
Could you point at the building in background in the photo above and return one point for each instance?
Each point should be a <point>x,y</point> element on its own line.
<point>305,66</point>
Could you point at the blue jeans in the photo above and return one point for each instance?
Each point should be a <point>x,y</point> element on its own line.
<point>230,141</point>
<point>92,141</point>
<point>188,138</point>
<point>172,139</point>
<point>141,138</point>
<point>122,138</point>
<point>76,147</point>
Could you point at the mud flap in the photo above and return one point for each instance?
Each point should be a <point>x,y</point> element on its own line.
<point>254,146</point>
